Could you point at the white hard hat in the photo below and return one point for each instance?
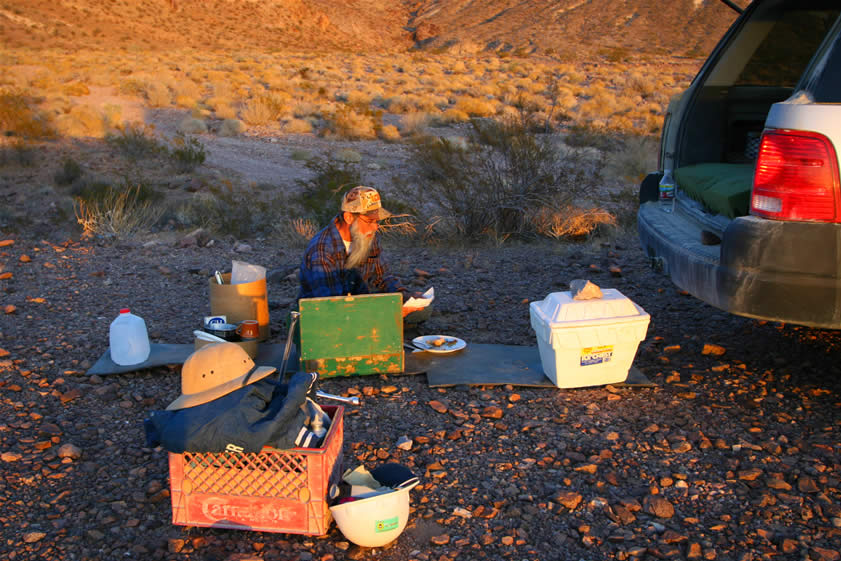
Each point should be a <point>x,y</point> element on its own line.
<point>376,520</point>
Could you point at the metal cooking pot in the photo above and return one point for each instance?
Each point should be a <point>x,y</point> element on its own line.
<point>227,331</point>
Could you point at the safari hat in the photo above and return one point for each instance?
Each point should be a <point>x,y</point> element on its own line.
<point>364,200</point>
<point>216,370</point>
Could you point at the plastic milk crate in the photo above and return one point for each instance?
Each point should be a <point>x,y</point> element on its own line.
<point>272,491</point>
<point>587,342</point>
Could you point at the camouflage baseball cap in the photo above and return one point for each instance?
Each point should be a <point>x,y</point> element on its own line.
<point>364,200</point>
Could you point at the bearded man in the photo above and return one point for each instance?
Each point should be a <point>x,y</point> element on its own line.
<point>345,257</point>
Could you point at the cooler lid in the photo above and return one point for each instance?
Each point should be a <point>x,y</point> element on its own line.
<point>559,307</point>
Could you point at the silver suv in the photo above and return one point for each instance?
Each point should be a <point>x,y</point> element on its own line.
<point>755,227</point>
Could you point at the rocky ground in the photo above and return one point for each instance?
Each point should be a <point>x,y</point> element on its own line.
<point>734,454</point>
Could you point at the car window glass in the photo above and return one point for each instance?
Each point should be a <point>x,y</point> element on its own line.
<point>828,85</point>
<point>775,44</point>
<point>783,54</point>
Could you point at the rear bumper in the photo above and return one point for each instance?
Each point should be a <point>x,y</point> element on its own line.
<point>779,271</point>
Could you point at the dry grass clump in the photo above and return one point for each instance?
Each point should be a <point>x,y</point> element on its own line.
<point>158,94</point>
<point>297,126</point>
<point>119,213</point>
<point>475,107</point>
<point>347,123</point>
<point>570,221</point>
<point>20,116</point>
<point>231,127</point>
<point>262,110</point>
<point>415,123</point>
<point>389,133</point>
<point>192,125</point>
<point>81,122</point>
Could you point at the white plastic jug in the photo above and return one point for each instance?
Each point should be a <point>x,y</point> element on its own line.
<point>128,339</point>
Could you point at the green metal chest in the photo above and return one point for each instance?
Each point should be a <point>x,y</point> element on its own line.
<point>351,335</point>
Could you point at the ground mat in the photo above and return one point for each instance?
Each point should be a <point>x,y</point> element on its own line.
<point>493,365</point>
<point>164,353</point>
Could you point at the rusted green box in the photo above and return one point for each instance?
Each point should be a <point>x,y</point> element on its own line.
<point>351,335</point>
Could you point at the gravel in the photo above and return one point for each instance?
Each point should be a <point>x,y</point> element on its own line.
<point>734,454</point>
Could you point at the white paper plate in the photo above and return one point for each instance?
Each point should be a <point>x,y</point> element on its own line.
<point>451,345</point>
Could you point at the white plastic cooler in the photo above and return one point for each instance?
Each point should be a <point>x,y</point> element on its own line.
<point>587,342</point>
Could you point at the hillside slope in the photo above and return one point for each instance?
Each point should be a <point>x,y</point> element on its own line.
<point>572,28</point>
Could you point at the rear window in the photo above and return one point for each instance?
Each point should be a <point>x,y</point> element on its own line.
<point>792,34</point>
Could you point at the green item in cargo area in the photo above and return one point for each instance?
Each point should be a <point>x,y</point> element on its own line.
<point>351,335</point>
<point>722,188</point>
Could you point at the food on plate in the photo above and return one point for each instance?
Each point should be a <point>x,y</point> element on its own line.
<point>439,341</point>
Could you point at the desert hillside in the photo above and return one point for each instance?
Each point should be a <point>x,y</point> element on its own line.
<point>570,28</point>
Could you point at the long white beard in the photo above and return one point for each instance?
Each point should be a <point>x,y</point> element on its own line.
<point>360,246</point>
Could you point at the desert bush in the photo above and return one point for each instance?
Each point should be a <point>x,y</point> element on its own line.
<point>19,116</point>
<point>414,123</point>
<point>390,133</point>
<point>76,89</point>
<point>157,94</point>
<point>321,195</point>
<point>262,110</point>
<point>569,221</point>
<point>297,126</point>
<point>187,153</point>
<point>495,181</point>
<point>81,121</point>
<point>192,125</point>
<point>136,141</point>
<point>241,211</point>
<point>117,212</point>
<point>347,123</point>
<point>231,127</point>
<point>475,107</point>
<point>70,171</point>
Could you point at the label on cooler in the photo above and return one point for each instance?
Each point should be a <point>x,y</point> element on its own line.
<point>596,355</point>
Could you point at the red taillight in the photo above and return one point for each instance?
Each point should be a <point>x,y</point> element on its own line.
<point>796,178</point>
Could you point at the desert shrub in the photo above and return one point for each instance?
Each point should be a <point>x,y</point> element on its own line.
<point>475,107</point>
<point>157,94</point>
<point>19,116</point>
<point>300,155</point>
<point>347,123</point>
<point>76,89</point>
<point>192,125</point>
<point>494,181</point>
<point>117,212</point>
<point>242,211</point>
<point>231,127</point>
<point>262,110</point>
<point>321,195</point>
<point>569,221</point>
<point>414,123</point>
<point>390,133</point>
<point>81,121</point>
<point>135,142</point>
<point>589,136</point>
<point>70,171</point>
<point>185,101</point>
<point>297,126</point>
<point>187,153</point>
<point>633,159</point>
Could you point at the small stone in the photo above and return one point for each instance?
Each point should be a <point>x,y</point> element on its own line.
<point>491,412</point>
<point>807,485</point>
<point>659,506</point>
<point>694,551</point>
<point>789,545</point>
<point>69,451</point>
<point>584,290</point>
<point>507,540</point>
<point>570,499</point>
<point>711,349</point>
<point>175,545</point>
<point>438,406</point>
<point>615,271</point>
<point>9,308</point>
<point>443,539</point>
<point>778,484</point>
<point>404,443</point>
<point>3,352</point>
<point>11,456</point>
<point>750,474</point>
<point>824,554</point>
<point>242,247</point>
<point>462,512</point>
<point>32,537</point>
<point>25,259</point>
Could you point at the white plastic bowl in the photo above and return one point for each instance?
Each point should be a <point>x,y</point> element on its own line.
<point>374,521</point>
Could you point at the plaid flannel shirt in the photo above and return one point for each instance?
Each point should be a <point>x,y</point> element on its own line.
<point>323,271</point>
